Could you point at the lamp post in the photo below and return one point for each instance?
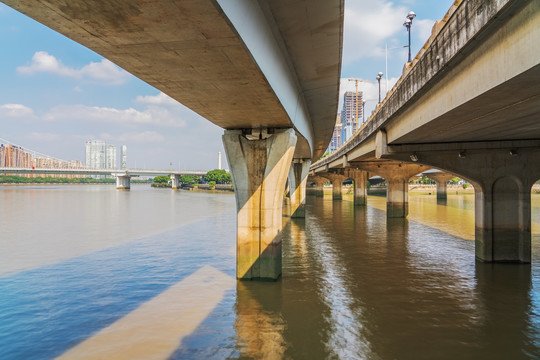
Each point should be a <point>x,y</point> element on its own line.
<point>363,111</point>
<point>379,77</point>
<point>408,22</point>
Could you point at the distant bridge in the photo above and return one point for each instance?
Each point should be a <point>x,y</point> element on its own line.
<point>123,176</point>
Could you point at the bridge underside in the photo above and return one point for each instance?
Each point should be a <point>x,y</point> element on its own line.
<point>470,106</point>
<point>199,52</point>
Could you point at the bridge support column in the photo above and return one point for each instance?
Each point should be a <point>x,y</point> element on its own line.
<point>259,170</point>
<point>337,185</point>
<point>441,179</point>
<point>175,181</point>
<point>298,175</point>
<point>397,176</point>
<point>360,178</point>
<point>123,182</point>
<point>318,190</point>
<point>502,175</point>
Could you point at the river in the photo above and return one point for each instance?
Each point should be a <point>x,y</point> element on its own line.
<point>89,272</point>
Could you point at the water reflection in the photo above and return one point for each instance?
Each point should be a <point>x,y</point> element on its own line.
<point>504,294</point>
<point>259,325</point>
<point>355,285</point>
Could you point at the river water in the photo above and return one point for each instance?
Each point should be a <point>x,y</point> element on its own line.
<point>89,272</point>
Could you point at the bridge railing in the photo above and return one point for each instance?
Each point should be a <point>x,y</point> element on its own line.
<point>460,27</point>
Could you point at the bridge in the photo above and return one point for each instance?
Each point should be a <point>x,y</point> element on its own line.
<point>268,73</point>
<point>467,105</point>
<point>123,176</point>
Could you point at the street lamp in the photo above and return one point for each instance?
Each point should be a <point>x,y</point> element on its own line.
<point>379,77</point>
<point>363,111</point>
<point>408,22</point>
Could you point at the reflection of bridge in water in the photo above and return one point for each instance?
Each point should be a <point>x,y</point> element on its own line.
<point>123,176</point>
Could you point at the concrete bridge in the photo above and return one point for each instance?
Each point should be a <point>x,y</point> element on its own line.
<point>468,105</point>
<point>266,71</point>
<point>123,176</point>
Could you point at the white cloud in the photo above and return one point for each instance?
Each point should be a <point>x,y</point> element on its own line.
<point>140,137</point>
<point>423,28</point>
<point>129,117</point>
<point>16,111</point>
<point>159,99</point>
<point>39,136</point>
<point>104,71</point>
<point>370,24</point>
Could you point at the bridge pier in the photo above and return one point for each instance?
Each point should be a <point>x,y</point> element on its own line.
<point>397,176</point>
<point>441,179</point>
<point>360,178</point>
<point>175,181</point>
<point>502,174</point>
<point>123,182</point>
<point>318,190</point>
<point>259,170</point>
<point>337,185</point>
<point>298,175</point>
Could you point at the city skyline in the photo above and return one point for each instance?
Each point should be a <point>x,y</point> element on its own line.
<point>57,94</point>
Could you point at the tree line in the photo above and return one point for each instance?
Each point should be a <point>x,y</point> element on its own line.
<point>216,176</point>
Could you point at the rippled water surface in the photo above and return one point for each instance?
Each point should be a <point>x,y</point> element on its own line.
<point>92,272</point>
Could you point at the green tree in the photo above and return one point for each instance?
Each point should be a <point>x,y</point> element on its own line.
<point>161,179</point>
<point>189,179</point>
<point>219,176</point>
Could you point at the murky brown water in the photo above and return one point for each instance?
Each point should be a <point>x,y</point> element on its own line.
<point>74,282</point>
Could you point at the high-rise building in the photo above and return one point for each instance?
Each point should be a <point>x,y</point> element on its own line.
<point>110,162</point>
<point>219,160</point>
<point>14,156</point>
<point>351,114</point>
<point>123,157</point>
<point>95,154</point>
<point>335,142</point>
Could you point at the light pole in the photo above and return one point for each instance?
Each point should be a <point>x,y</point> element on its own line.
<point>408,22</point>
<point>363,111</point>
<point>379,77</point>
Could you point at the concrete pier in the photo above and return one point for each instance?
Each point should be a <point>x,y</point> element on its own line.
<point>259,170</point>
<point>441,179</point>
<point>397,176</point>
<point>337,184</point>
<point>123,182</point>
<point>318,189</point>
<point>298,175</point>
<point>359,178</point>
<point>175,181</point>
<point>502,174</point>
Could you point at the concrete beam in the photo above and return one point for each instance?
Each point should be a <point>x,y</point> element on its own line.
<point>259,170</point>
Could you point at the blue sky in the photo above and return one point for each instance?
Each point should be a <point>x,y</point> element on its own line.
<point>56,94</point>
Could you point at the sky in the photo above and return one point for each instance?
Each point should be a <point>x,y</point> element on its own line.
<point>56,94</point>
